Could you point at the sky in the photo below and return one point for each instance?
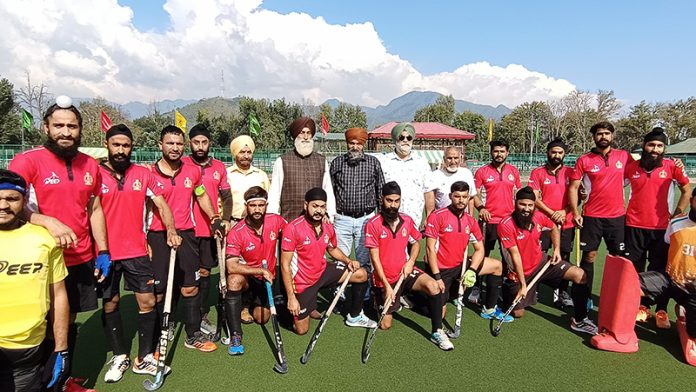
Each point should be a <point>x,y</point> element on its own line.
<point>362,52</point>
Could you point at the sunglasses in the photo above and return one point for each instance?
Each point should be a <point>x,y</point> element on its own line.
<point>408,138</point>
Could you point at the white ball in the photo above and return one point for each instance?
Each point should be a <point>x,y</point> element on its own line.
<point>64,101</point>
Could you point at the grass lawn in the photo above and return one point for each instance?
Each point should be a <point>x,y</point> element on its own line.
<point>538,352</point>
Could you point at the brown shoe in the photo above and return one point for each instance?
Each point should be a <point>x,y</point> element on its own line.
<point>246,316</point>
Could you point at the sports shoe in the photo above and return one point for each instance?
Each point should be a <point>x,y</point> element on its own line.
<point>405,302</point>
<point>246,316</point>
<point>497,314</point>
<point>361,321</point>
<point>200,342</point>
<point>171,330</point>
<point>119,365</point>
<point>206,326</point>
<point>586,326</point>
<point>474,295</point>
<point>562,299</point>
<point>643,314</point>
<point>72,385</point>
<point>440,338</point>
<point>236,346</point>
<point>662,320</point>
<point>148,366</point>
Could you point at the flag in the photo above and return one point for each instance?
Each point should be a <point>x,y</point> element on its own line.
<point>254,126</point>
<point>324,125</point>
<point>180,120</point>
<point>490,130</point>
<point>105,122</point>
<point>27,120</point>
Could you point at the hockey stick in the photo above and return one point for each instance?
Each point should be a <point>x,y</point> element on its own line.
<point>322,323</point>
<point>222,289</point>
<point>282,365</point>
<point>460,298</point>
<point>373,333</point>
<point>164,341</point>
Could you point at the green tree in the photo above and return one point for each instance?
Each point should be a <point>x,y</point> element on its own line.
<point>347,116</point>
<point>519,128</point>
<point>476,124</point>
<point>640,120</point>
<point>10,119</point>
<point>441,111</point>
<point>92,134</point>
<point>150,127</point>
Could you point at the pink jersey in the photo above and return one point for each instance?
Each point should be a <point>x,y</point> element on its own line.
<point>308,265</point>
<point>602,178</point>
<point>123,203</point>
<point>553,188</point>
<point>500,187</point>
<point>178,191</point>
<point>63,190</point>
<point>526,241</point>
<point>453,235</point>
<point>243,241</point>
<point>652,194</point>
<point>214,177</point>
<point>391,244</point>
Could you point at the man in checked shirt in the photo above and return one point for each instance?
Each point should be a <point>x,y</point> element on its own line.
<point>357,183</point>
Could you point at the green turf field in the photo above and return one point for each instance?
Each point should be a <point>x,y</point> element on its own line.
<point>537,352</point>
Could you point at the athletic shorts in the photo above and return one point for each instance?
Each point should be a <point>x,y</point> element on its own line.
<point>207,248</point>
<point>552,277</point>
<point>566,240</point>
<point>450,278</point>
<point>406,287</point>
<point>138,275</point>
<point>611,229</point>
<point>257,292</point>
<point>656,283</point>
<point>20,369</point>
<point>187,260</point>
<point>308,298</point>
<point>646,243</point>
<point>490,236</point>
<point>81,286</point>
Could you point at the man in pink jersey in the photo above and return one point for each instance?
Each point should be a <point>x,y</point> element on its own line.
<point>601,173</point>
<point>550,183</point>
<point>215,182</point>
<point>649,210</point>
<point>65,184</point>
<point>519,234</point>
<point>305,270</point>
<point>125,190</point>
<point>249,243</point>
<point>181,184</point>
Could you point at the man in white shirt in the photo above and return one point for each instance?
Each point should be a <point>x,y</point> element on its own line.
<point>441,180</point>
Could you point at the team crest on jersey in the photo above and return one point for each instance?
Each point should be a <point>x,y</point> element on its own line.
<point>467,230</point>
<point>326,238</point>
<point>272,236</point>
<point>511,177</point>
<point>619,165</point>
<point>547,181</point>
<point>520,236</point>
<point>404,233</point>
<point>635,175</point>
<point>159,185</point>
<point>306,241</point>
<point>490,179</point>
<point>662,174</point>
<point>188,183</point>
<point>137,185</point>
<point>250,247</point>
<point>104,189</point>
<point>383,235</point>
<point>594,169</point>
<point>88,179</point>
<point>538,227</point>
<point>448,229</point>
<point>216,175</point>
<point>52,179</point>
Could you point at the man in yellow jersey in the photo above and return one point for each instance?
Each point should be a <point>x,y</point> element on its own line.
<point>32,271</point>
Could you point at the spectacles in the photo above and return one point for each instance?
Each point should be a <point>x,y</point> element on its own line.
<point>408,138</point>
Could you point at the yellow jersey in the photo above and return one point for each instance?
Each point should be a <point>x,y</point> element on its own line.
<point>681,260</point>
<point>30,262</point>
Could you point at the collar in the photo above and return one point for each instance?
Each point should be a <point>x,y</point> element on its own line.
<point>207,164</point>
<point>235,168</point>
<point>595,151</point>
<point>161,173</point>
<point>396,157</point>
<point>549,171</point>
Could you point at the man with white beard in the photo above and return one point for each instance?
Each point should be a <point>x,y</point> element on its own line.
<point>441,180</point>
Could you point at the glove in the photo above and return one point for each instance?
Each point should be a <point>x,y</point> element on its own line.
<point>103,263</point>
<point>469,278</point>
<point>56,370</point>
<point>217,226</point>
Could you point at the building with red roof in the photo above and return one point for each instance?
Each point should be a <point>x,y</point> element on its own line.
<point>429,136</point>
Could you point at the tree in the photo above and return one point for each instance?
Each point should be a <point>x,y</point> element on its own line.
<point>10,120</point>
<point>441,111</point>
<point>274,118</point>
<point>520,127</point>
<point>476,124</point>
<point>150,127</point>
<point>346,116</point>
<point>92,134</point>
<point>641,119</point>
<point>35,98</point>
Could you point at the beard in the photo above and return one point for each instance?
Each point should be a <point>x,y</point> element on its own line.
<point>403,149</point>
<point>200,156</point>
<point>120,165</point>
<point>64,153</point>
<point>255,219</point>
<point>649,162</point>
<point>452,169</point>
<point>390,214</point>
<point>355,156</point>
<point>522,221</point>
<point>304,147</point>
<point>316,218</point>
<point>602,143</point>
<point>554,162</point>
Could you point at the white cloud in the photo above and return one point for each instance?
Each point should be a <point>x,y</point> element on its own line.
<point>91,47</point>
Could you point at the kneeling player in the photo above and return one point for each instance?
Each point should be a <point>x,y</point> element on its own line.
<point>448,233</point>
<point>305,270</point>
<point>249,243</point>
<point>520,234</point>
<point>387,236</point>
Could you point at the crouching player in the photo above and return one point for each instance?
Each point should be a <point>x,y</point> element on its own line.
<point>448,233</point>
<point>387,236</point>
<point>520,235</point>
<point>249,243</point>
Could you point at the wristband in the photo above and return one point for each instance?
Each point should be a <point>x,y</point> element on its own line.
<point>437,276</point>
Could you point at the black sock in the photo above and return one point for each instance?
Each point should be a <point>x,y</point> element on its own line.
<point>589,272</point>
<point>493,284</point>
<point>192,314</point>
<point>204,292</point>
<point>233,310</point>
<point>580,293</point>
<point>72,341</point>
<point>358,293</point>
<point>113,328</point>
<point>563,286</point>
<point>147,324</point>
<point>435,308</point>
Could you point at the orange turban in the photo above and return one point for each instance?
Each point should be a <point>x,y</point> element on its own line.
<point>356,133</point>
<point>301,123</point>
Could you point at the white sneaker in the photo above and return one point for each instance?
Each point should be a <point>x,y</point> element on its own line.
<point>440,338</point>
<point>586,326</point>
<point>361,321</point>
<point>405,302</point>
<point>149,366</point>
<point>119,365</point>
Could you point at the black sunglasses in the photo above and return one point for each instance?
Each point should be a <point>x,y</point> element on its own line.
<point>408,138</point>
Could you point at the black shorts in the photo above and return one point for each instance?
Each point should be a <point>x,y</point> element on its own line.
<point>20,369</point>
<point>450,278</point>
<point>490,236</point>
<point>611,229</point>
<point>566,240</point>
<point>552,277</point>
<point>81,286</point>
<point>657,283</point>
<point>646,243</point>
<point>308,298</point>
<point>258,291</point>
<point>187,260</point>
<point>406,287</point>
<point>137,273</point>
<point>207,249</point>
